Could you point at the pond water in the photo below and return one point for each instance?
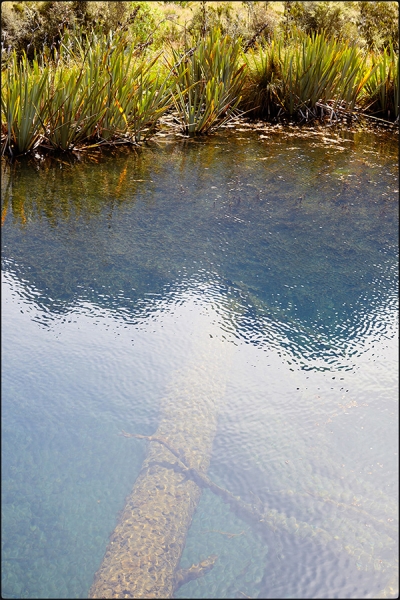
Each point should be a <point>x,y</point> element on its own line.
<point>285,248</point>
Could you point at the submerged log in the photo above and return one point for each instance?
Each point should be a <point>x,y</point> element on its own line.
<point>145,548</point>
<point>143,555</point>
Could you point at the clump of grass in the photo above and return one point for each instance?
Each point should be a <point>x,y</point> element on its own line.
<point>23,97</point>
<point>354,75</point>
<point>102,92</point>
<point>206,83</point>
<point>298,78</point>
<point>117,96</point>
<point>264,76</point>
<point>382,89</point>
<point>309,73</point>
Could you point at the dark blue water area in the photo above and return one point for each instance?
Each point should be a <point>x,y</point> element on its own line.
<point>284,246</point>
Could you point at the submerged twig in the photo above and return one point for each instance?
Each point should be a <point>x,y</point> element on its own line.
<point>227,533</point>
<point>242,508</point>
<point>179,454</point>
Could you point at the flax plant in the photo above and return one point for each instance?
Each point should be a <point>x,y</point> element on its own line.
<point>73,111</point>
<point>23,98</point>
<point>136,95</point>
<point>382,89</point>
<point>112,97</point>
<point>261,91</point>
<point>310,71</point>
<point>110,60</point>
<point>78,102</point>
<point>149,100</point>
<point>354,74</point>
<point>207,83</point>
<point>92,94</point>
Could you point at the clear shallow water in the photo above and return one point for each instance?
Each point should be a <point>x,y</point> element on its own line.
<point>287,247</point>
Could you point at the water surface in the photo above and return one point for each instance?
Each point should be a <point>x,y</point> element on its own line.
<point>287,246</point>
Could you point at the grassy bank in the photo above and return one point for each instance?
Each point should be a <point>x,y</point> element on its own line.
<point>95,87</point>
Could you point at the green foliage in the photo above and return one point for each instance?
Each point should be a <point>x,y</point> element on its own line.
<point>36,26</point>
<point>315,17</point>
<point>181,3</point>
<point>81,9</point>
<point>30,26</point>
<point>223,17</point>
<point>145,21</point>
<point>378,23</point>
<point>207,83</point>
<point>324,17</point>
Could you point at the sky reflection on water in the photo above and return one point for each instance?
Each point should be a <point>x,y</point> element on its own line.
<point>294,260</point>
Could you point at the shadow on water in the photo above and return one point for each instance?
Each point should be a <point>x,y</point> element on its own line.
<point>292,240</point>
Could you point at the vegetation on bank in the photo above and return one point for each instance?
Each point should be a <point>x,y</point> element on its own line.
<point>82,83</point>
